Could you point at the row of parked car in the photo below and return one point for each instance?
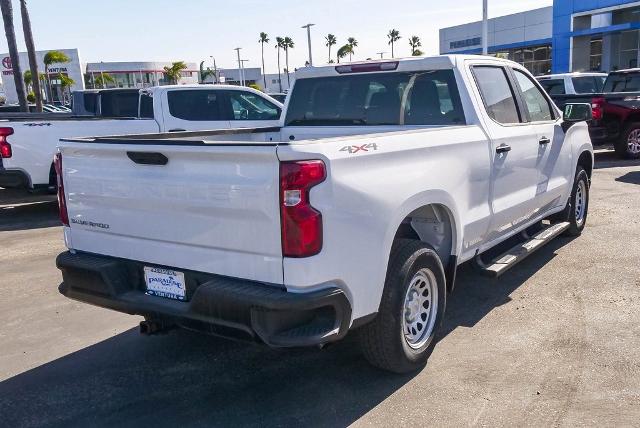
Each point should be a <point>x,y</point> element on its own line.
<point>615,102</point>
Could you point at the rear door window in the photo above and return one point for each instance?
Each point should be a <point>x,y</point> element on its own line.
<point>195,105</point>
<point>398,98</point>
<point>624,82</point>
<point>497,95</point>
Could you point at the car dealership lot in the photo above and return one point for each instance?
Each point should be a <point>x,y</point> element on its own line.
<point>553,342</point>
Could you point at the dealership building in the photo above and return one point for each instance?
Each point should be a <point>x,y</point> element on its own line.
<point>571,35</point>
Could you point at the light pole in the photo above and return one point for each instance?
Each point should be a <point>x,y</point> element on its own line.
<point>244,77</point>
<point>381,54</point>
<point>308,27</point>
<point>239,65</point>
<point>485,27</point>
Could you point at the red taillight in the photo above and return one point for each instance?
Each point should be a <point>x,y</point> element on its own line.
<point>597,108</point>
<point>62,201</point>
<point>301,223</point>
<point>5,147</point>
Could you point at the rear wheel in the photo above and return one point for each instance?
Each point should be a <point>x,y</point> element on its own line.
<point>402,336</point>
<point>628,146</point>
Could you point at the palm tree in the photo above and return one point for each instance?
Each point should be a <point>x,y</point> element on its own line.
<point>53,57</point>
<point>264,38</point>
<point>279,45</point>
<point>394,36</point>
<point>352,42</point>
<point>174,73</point>
<point>415,43</point>
<point>331,40</point>
<point>288,44</point>
<point>7,17</point>
<point>102,80</point>
<point>31,53</point>
<point>342,52</point>
<point>65,83</point>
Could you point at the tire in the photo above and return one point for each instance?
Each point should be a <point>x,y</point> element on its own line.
<point>628,146</point>
<point>394,341</point>
<point>577,217</point>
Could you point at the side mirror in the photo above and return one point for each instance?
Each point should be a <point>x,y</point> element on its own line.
<point>578,112</point>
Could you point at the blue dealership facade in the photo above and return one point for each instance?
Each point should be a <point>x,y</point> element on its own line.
<point>571,35</point>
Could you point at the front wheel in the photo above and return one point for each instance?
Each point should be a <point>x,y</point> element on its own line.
<point>402,336</point>
<point>577,207</point>
<point>628,146</point>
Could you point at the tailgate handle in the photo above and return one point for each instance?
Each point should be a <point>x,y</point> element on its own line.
<point>148,158</point>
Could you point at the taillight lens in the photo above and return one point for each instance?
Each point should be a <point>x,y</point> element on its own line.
<point>301,223</point>
<point>597,108</point>
<point>5,147</point>
<point>62,201</point>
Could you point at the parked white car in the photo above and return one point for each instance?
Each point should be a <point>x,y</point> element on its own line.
<point>573,83</point>
<point>28,144</point>
<point>384,178</point>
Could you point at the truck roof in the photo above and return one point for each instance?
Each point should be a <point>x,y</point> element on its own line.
<point>575,74</point>
<point>436,62</point>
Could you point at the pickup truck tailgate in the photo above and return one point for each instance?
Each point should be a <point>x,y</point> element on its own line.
<point>212,208</point>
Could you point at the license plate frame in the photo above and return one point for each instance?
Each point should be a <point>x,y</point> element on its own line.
<point>165,283</point>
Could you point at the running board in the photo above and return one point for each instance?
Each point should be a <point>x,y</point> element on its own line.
<point>505,261</point>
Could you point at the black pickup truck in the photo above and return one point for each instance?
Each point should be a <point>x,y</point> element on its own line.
<point>616,112</point>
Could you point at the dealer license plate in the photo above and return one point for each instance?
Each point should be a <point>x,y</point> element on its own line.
<point>165,283</point>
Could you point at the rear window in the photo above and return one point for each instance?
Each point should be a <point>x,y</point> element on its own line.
<point>624,82</point>
<point>119,104</point>
<point>412,98</point>
<point>553,86</point>
<point>588,84</point>
<point>195,104</point>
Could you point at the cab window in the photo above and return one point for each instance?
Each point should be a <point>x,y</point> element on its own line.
<point>497,96</point>
<point>248,106</point>
<point>536,103</point>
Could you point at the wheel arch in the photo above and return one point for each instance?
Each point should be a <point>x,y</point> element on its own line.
<point>434,220</point>
<point>585,160</point>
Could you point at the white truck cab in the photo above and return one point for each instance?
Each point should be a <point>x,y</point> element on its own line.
<point>355,213</point>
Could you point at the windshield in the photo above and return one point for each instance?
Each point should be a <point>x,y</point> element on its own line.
<point>623,82</point>
<point>399,98</point>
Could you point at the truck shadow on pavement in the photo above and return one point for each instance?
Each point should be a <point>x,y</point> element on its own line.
<point>188,379</point>
<point>29,216</point>
<point>609,159</point>
<point>632,177</point>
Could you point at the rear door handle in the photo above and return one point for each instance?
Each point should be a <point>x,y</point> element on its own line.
<point>177,130</point>
<point>544,140</point>
<point>503,148</point>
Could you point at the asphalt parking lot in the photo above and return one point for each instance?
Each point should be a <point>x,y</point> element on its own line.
<point>554,342</point>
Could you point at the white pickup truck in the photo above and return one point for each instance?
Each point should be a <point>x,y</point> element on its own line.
<point>27,145</point>
<point>355,214</point>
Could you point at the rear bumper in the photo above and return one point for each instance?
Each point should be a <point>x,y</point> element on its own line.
<point>216,305</point>
<point>12,178</point>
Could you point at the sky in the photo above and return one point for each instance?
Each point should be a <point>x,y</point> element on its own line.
<point>195,30</point>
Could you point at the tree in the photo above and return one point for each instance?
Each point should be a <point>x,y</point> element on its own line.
<point>279,45</point>
<point>65,83</point>
<point>53,57</point>
<point>352,42</point>
<point>394,36</point>
<point>343,52</point>
<point>415,43</point>
<point>264,38</point>
<point>31,53</point>
<point>174,72</point>
<point>288,44</point>
<point>7,17</point>
<point>331,41</point>
<point>102,80</point>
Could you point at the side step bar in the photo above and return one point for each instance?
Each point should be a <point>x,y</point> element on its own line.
<point>507,260</point>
